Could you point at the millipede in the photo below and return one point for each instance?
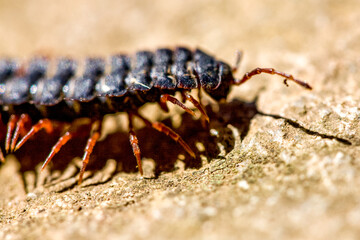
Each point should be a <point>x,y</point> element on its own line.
<point>58,98</point>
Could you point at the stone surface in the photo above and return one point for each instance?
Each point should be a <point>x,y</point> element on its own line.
<point>285,166</point>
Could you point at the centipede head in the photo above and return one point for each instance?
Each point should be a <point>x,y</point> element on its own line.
<point>215,76</point>
<point>224,79</point>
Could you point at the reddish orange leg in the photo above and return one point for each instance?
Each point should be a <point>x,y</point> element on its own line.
<point>135,143</point>
<point>257,71</point>
<point>169,132</point>
<point>2,128</point>
<point>167,98</point>
<point>20,129</point>
<point>42,124</point>
<point>198,105</point>
<point>10,128</point>
<point>2,158</point>
<point>89,148</point>
<point>56,148</point>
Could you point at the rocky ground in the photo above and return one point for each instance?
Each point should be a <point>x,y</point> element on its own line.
<point>278,163</point>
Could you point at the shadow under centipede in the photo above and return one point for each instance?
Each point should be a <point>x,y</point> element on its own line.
<point>154,145</point>
<point>165,152</point>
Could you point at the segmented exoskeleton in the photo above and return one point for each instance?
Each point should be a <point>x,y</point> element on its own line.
<point>33,93</point>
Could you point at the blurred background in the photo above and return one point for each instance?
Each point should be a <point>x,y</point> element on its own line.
<point>82,28</point>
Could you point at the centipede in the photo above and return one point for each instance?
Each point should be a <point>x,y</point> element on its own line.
<point>124,83</point>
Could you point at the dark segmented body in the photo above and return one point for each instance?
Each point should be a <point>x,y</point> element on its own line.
<point>140,82</point>
<point>17,89</point>
<point>7,69</point>
<point>66,95</point>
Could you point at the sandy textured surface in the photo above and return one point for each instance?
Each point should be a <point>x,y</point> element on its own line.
<point>285,166</point>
